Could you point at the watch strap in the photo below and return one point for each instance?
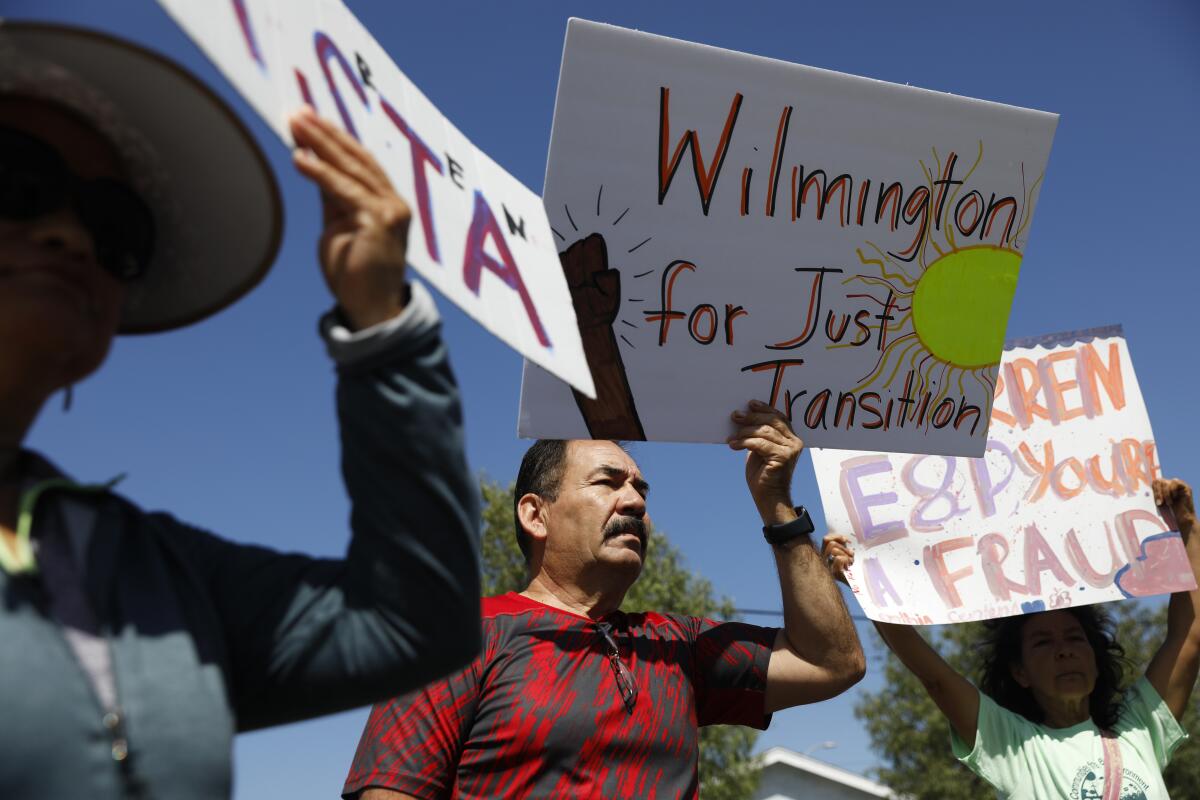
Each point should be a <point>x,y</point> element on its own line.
<point>802,525</point>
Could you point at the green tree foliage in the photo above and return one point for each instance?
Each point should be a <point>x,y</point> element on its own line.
<point>727,769</point>
<point>503,564</point>
<point>913,738</point>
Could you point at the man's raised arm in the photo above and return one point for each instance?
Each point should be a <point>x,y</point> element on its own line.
<point>817,655</point>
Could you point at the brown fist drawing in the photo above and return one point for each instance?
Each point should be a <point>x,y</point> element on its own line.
<point>596,295</point>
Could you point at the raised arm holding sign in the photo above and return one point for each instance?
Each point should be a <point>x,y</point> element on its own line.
<point>572,696</point>
<point>1047,719</point>
<point>1065,511</point>
<point>135,645</point>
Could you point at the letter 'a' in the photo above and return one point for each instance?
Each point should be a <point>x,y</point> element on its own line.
<point>476,259</point>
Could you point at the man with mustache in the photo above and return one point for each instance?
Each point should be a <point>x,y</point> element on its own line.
<point>573,697</point>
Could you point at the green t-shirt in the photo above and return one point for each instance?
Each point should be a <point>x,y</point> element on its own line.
<point>1027,761</point>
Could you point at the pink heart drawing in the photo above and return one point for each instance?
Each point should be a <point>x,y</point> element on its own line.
<point>1162,568</point>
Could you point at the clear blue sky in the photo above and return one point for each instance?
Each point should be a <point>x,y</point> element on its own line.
<point>230,424</point>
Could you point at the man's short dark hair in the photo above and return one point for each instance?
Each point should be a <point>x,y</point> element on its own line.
<point>541,473</point>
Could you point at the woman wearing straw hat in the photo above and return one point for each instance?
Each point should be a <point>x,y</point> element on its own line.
<point>133,647</point>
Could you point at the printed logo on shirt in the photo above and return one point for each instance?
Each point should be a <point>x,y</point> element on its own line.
<point>1089,783</point>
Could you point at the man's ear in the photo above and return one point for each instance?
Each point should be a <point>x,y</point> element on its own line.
<point>1017,670</point>
<point>531,510</point>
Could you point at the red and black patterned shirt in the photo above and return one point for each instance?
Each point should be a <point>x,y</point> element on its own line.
<point>540,714</point>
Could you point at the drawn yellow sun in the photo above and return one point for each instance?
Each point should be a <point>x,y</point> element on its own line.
<point>960,305</point>
<point>951,307</point>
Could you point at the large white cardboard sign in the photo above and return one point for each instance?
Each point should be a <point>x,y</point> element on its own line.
<point>1059,512</point>
<point>735,227</point>
<point>477,234</point>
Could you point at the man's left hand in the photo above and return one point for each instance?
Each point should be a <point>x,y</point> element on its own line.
<point>364,242</point>
<point>772,450</point>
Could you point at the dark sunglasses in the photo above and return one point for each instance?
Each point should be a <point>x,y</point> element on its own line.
<point>35,181</point>
<point>626,684</point>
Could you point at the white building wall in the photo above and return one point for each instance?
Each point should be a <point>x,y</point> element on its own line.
<point>781,782</point>
<point>788,775</point>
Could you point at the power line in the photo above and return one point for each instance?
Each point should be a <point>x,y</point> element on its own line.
<point>762,612</point>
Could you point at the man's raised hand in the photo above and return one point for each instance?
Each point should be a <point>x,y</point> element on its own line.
<point>772,451</point>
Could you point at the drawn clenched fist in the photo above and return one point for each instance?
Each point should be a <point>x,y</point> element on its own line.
<point>596,295</point>
<point>595,288</point>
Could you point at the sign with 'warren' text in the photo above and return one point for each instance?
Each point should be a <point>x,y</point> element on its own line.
<point>477,233</point>
<point>735,227</point>
<point>1059,512</point>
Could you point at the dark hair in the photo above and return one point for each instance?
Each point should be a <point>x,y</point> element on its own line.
<point>1002,649</point>
<point>541,473</point>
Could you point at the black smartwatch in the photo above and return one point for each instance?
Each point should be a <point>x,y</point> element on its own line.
<point>802,525</point>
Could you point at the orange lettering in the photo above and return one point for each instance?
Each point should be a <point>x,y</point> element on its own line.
<point>1022,397</point>
<point>1110,376</point>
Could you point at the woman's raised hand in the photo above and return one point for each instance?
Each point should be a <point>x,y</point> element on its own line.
<point>837,554</point>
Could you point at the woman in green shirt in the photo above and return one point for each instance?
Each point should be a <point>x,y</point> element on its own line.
<point>1048,720</point>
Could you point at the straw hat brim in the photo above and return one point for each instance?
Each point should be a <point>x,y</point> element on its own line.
<point>220,224</point>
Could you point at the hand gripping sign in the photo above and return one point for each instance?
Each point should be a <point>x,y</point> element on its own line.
<point>736,227</point>
<point>1058,512</point>
<point>478,234</point>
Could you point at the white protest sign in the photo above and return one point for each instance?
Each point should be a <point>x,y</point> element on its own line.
<point>1059,511</point>
<point>477,234</point>
<point>739,227</point>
